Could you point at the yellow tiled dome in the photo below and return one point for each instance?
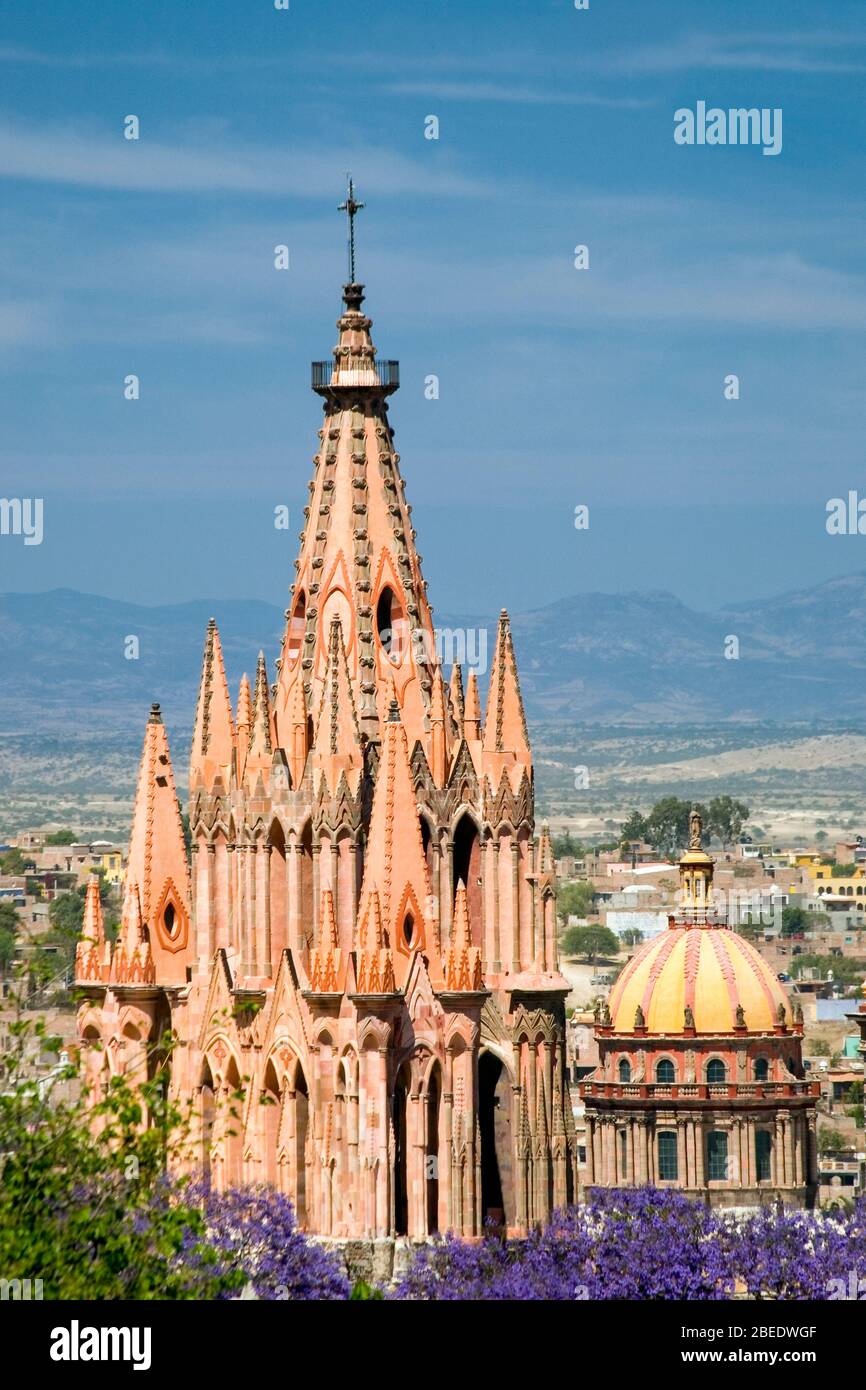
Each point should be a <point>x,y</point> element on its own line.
<point>709,969</point>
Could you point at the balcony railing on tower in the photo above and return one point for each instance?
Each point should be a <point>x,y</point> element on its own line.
<point>325,375</point>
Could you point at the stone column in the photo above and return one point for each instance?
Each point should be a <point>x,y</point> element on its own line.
<point>193,906</point>
<point>589,1138</point>
<point>210,870</point>
<point>353,858</point>
<point>599,1176</point>
<point>252,875</point>
<point>789,1150</point>
<point>448,901</point>
<point>335,879</point>
<point>294,927</point>
<point>230,895</point>
<point>812,1149</point>
<point>642,1155</point>
<point>384,1212</point>
<point>317,889</point>
<point>700,1179</point>
<point>682,1158</point>
<point>267,968</point>
<point>446,1141</point>
<point>515,906</point>
<point>489,937</point>
<point>497,930</point>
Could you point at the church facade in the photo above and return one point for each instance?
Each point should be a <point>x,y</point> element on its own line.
<point>358,959</point>
<point>700,1084</point>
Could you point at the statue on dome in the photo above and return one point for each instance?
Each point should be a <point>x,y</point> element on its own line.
<point>695,829</point>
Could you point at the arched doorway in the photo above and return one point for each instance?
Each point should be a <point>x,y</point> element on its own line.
<point>494,1105</point>
<point>401,1183</point>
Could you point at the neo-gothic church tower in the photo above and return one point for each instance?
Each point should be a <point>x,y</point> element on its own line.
<point>365,942</point>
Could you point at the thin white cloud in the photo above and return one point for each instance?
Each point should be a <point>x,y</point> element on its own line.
<point>96,160</point>
<point>803,53</point>
<point>154,58</point>
<point>507,94</point>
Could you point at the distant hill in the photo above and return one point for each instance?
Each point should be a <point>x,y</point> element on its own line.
<point>640,658</point>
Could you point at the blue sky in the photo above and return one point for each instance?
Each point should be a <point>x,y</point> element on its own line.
<point>557,387</point>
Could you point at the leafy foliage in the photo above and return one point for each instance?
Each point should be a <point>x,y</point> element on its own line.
<point>575,900</point>
<point>590,942</point>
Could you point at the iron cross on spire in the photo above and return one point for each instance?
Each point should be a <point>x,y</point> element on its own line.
<point>350,207</point>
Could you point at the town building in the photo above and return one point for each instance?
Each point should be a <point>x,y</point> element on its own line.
<point>700,1084</point>
<point>365,946</point>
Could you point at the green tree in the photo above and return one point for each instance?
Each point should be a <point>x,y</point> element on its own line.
<point>61,837</point>
<point>846,969</point>
<point>668,824</point>
<point>797,920</point>
<point>14,862</point>
<point>84,1207</point>
<point>565,845</point>
<point>590,942</point>
<point>66,915</point>
<point>726,818</point>
<point>830,1139</point>
<point>575,900</point>
<point>631,937</point>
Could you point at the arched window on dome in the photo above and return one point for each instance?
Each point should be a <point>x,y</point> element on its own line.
<point>665,1072</point>
<point>716,1071</point>
<point>624,1069</point>
<point>762,1069</point>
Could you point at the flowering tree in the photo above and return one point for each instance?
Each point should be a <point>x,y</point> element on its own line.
<point>254,1229</point>
<point>649,1244</point>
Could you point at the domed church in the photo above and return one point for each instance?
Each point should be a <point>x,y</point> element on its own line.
<point>700,1084</point>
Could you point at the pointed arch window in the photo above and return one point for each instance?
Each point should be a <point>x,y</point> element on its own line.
<point>391,624</point>
<point>297,627</point>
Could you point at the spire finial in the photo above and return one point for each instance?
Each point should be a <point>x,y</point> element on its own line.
<point>350,208</point>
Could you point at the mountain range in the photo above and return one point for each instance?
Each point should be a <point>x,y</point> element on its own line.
<point>630,658</point>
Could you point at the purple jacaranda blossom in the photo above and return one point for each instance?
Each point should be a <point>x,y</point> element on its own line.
<point>643,1244</point>
<point>254,1229</point>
